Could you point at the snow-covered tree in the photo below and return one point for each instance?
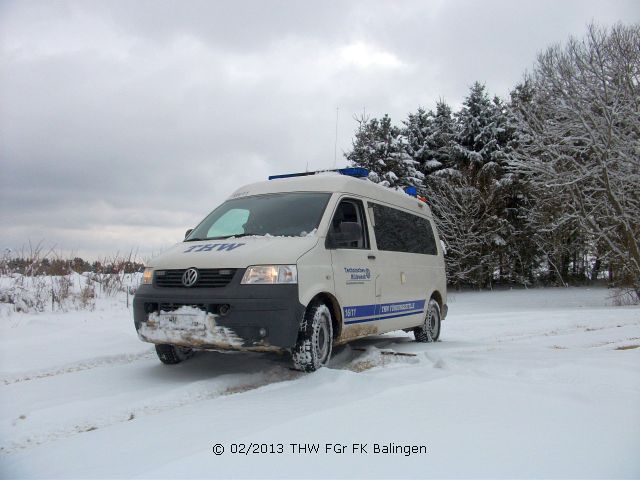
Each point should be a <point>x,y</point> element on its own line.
<point>417,131</point>
<point>430,138</point>
<point>478,129</point>
<point>475,191</point>
<point>582,150</point>
<point>380,146</point>
<point>462,217</point>
<point>556,242</point>
<point>544,187</point>
<point>441,141</point>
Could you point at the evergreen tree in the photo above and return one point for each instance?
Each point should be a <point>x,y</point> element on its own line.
<point>380,146</point>
<point>475,190</point>
<point>430,138</point>
<point>417,131</point>
<point>441,141</point>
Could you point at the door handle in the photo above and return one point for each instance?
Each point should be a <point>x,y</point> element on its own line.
<point>371,257</point>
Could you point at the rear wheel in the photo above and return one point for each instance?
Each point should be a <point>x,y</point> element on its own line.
<point>429,331</point>
<point>315,339</point>
<point>172,354</point>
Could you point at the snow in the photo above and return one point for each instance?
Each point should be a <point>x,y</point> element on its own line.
<point>432,164</point>
<point>180,326</point>
<point>268,236</point>
<point>524,383</point>
<point>498,240</point>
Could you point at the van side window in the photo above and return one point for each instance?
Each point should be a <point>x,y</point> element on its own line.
<point>351,211</point>
<point>399,231</point>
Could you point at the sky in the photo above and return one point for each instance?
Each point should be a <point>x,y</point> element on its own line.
<point>123,123</point>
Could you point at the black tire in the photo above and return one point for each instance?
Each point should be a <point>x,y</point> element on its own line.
<point>171,354</point>
<point>430,329</point>
<point>315,339</point>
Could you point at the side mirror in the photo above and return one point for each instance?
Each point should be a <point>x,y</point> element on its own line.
<point>187,233</point>
<point>349,232</point>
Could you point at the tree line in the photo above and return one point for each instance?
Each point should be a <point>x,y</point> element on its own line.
<point>37,261</point>
<point>60,266</point>
<point>541,188</point>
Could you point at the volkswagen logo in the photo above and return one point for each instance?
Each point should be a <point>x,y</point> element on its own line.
<point>190,277</point>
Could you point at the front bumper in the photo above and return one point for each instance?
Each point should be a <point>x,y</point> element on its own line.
<point>259,317</point>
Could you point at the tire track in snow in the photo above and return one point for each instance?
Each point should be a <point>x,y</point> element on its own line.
<point>234,383</point>
<point>238,384</point>
<point>558,332</point>
<point>98,362</point>
<point>228,384</point>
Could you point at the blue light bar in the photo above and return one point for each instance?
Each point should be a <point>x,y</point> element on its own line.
<point>289,175</point>
<point>413,191</point>
<point>357,172</point>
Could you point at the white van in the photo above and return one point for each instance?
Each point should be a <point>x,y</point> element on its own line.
<point>299,263</point>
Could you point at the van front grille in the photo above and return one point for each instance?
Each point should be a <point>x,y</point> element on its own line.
<point>207,278</point>
<point>170,307</point>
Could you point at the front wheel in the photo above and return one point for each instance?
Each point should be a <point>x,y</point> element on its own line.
<point>429,331</point>
<point>315,339</point>
<point>171,354</point>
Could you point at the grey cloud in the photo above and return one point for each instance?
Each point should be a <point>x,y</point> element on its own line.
<point>122,123</point>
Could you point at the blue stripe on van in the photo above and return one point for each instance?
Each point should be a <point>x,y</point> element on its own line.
<point>383,311</point>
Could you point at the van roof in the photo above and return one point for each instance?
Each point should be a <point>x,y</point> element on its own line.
<point>334,182</point>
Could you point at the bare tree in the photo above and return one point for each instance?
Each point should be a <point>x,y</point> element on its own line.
<point>582,148</point>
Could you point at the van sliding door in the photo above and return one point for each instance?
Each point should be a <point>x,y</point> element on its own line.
<point>404,248</point>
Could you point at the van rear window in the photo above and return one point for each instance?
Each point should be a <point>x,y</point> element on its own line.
<point>399,231</point>
<point>278,214</point>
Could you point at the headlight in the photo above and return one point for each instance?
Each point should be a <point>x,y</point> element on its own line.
<point>270,274</point>
<point>147,276</point>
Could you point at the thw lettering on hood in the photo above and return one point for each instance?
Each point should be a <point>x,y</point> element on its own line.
<point>208,247</point>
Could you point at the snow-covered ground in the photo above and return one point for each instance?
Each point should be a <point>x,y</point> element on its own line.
<point>527,383</point>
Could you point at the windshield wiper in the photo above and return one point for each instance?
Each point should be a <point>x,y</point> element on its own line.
<point>237,235</point>
<point>247,235</point>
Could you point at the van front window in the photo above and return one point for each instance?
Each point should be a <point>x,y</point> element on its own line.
<point>278,214</point>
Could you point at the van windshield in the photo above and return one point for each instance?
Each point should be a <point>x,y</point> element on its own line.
<point>278,214</point>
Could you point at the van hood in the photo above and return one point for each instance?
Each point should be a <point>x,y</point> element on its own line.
<point>235,252</point>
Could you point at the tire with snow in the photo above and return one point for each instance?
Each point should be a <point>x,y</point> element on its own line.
<point>171,354</point>
<point>430,329</point>
<point>315,339</point>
